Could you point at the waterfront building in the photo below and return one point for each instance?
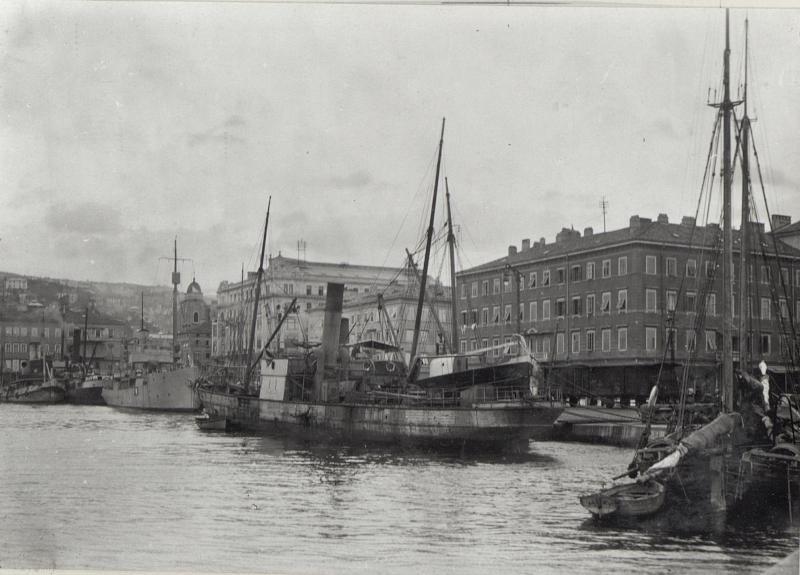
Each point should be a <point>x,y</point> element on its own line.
<point>366,322</point>
<point>284,279</point>
<point>25,331</point>
<point>101,343</point>
<point>601,311</point>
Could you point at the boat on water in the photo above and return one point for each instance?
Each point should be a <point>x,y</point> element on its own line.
<point>625,500</point>
<point>208,421</point>
<point>157,379</point>
<point>35,383</point>
<point>747,446</point>
<point>86,390</point>
<point>350,393</point>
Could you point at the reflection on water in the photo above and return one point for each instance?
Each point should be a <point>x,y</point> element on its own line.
<point>85,487</point>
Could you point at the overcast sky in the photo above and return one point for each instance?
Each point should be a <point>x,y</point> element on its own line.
<point>123,124</point>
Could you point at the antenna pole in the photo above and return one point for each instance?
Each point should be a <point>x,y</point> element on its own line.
<point>604,207</point>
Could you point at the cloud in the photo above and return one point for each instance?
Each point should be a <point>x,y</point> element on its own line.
<point>83,218</point>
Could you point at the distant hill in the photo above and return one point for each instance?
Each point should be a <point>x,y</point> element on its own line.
<point>121,301</point>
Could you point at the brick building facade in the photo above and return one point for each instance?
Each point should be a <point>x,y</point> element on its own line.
<point>601,311</point>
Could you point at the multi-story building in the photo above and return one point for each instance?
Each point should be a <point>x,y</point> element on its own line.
<point>366,322</point>
<point>603,311</point>
<point>285,279</point>
<point>100,343</point>
<point>27,331</point>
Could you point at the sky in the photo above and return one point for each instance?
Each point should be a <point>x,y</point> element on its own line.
<point>126,124</point>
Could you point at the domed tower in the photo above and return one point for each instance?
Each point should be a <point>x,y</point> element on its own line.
<point>194,333</point>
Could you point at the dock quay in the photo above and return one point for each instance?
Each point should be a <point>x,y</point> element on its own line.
<point>610,426</point>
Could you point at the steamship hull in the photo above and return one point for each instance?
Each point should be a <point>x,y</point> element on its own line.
<point>495,424</point>
<point>161,391</point>
<point>34,392</point>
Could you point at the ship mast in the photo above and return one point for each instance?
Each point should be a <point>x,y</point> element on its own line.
<point>727,262</point>
<point>255,307</point>
<point>744,231</point>
<point>451,240</point>
<point>423,279</point>
<point>176,279</point>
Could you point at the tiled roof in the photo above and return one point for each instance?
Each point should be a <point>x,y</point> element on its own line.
<point>647,232</point>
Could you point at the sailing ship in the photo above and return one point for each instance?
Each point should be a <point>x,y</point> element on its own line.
<point>348,393</point>
<point>157,380</point>
<point>751,447</point>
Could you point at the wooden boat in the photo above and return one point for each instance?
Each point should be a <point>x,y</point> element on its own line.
<point>211,422</point>
<point>626,500</point>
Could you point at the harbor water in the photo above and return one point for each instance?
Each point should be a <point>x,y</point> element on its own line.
<point>94,487</point>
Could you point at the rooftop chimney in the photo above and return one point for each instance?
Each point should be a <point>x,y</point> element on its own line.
<point>662,219</point>
<point>588,232</point>
<point>779,221</point>
<point>512,250</point>
<point>526,244</point>
<point>635,220</point>
<point>687,221</point>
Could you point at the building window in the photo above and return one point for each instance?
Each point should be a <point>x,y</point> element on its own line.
<point>496,314</point>
<point>622,266</point>
<point>797,277</point>
<point>463,291</point>
<point>485,342</point>
<point>521,312</point>
<point>711,340</point>
<point>560,307</point>
<point>672,300</point>
<point>485,316</point>
<point>606,268</point>
<point>308,289</point>
<point>650,265</point>
<point>47,332</point>
<point>575,274</point>
<point>495,343</point>
<point>764,275</point>
<point>23,331</point>
<point>463,318</point>
<point>590,340</point>
<point>560,275</point>
<point>545,278</point>
<point>650,339</point>
<point>622,339</point>
<point>605,302</point>
<point>690,302</point>
<point>576,306</point>
<point>711,269</point>
<point>496,286</point>
<point>474,289</point>
<point>765,311</point>
<point>34,332</point>
<point>691,340</point>
<point>605,339</point>
<point>711,304</point>
<point>784,308</point>
<point>463,344</point>
<point>196,317</point>
<point>507,313</point>
<point>546,309</point>
<point>671,338</point>
<point>691,268</point>
<point>590,271</point>
<point>534,315</point>
<point>590,305</point>
<point>532,280</point>
<point>507,283</point>
<point>765,344</point>
<point>672,267</point>
<point>560,342</point>
<point>485,287</point>
<point>576,342</point>
<point>622,301</point>
<point>650,300</point>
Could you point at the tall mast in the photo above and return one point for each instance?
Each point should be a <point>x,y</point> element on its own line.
<point>255,304</point>
<point>744,231</point>
<point>451,240</point>
<point>727,262</point>
<point>423,279</point>
<point>176,279</point>
<point>142,328</point>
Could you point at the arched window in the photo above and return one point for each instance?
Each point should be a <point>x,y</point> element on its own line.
<point>196,317</point>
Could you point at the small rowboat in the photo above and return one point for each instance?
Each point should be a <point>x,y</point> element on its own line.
<point>626,500</point>
<point>211,422</point>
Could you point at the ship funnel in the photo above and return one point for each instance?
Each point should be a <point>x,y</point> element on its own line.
<point>331,329</point>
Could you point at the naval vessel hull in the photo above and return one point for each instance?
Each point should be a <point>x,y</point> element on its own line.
<point>165,391</point>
